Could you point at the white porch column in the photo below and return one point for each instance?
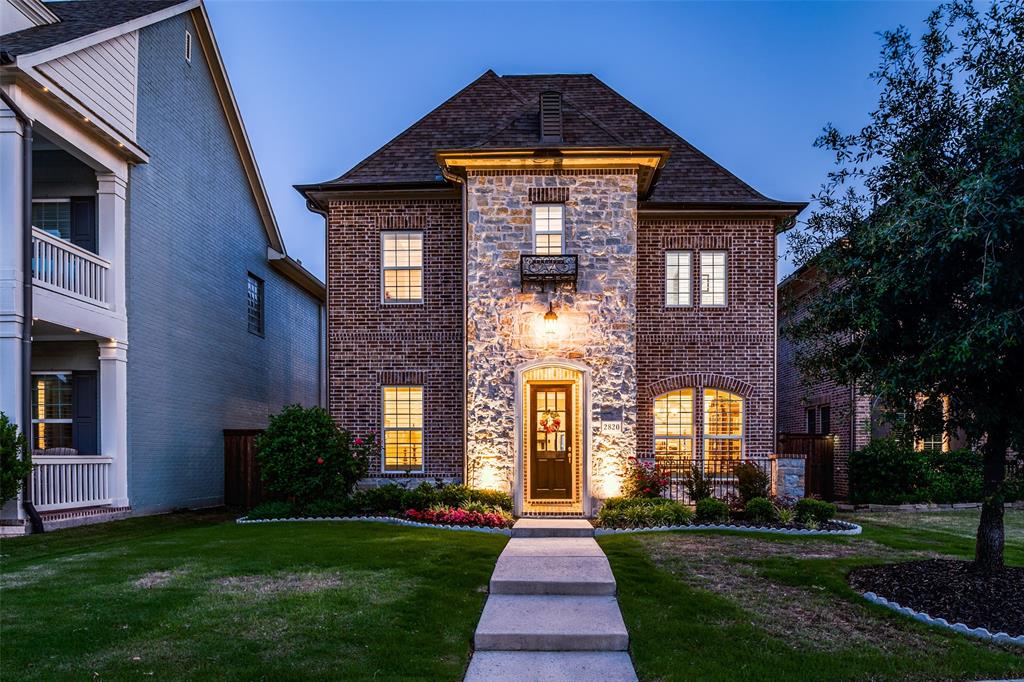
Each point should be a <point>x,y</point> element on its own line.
<point>11,277</point>
<point>110,220</point>
<point>114,416</point>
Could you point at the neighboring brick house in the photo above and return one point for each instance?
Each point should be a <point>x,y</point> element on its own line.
<point>851,417</point>
<point>538,280</point>
<point>164,306</point>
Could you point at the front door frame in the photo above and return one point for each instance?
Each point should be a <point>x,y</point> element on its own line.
<point>521,399</point>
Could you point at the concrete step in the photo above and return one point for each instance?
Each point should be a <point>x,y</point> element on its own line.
<point>552,575</point>
<point>551,666</point>
<point>552,528</point>
<point>552,547</point>
<point>551,623</point>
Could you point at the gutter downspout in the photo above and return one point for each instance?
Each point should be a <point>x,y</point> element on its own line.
<point>26,325</point>
<point>322,347</point>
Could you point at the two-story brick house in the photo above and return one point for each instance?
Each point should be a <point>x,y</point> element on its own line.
<point>537,281</point>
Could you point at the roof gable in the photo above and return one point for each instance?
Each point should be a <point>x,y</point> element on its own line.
<point>503,112</point>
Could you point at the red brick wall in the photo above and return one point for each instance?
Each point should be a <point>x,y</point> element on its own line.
<point>850,413</point>
<point>731,348</point>
<point>371,344</point>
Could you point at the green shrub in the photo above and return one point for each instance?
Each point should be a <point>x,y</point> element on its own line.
<point>454,495</point>
<point>1013,487</point>
<point>424,496</point>
<point>304,456</point>
<point>751,482</point>
<point>15,459</point>
<point>492,498</point>
<point>387,499</point>
<point>817,511</point>
<point>697,483</point>
<point>273,510</point>
<point>623,512</point>
<point>644,479</point>
<point>322,508</point>
<point>710,510</point>
<point>888,471</point>
<point>760,510</point>
<point>953,476</point>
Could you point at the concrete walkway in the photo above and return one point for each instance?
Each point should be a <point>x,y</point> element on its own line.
<point>552,613</point>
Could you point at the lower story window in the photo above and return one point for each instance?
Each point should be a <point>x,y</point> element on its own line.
<point>673,424</point>
<point>723,424</point>
<point>403,428</point>
<point>52,423</point>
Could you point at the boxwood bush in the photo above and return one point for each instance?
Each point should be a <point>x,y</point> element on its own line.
<point>760,510</point>
<point>623,512</point>
<point>887,471</point>
<point>812,510</point>
<point>710,510</point>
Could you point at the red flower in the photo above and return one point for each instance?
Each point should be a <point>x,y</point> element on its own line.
<point>358,440</point>
<point>319,460</point>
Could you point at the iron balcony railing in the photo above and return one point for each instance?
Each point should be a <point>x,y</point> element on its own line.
<point>548,269</point>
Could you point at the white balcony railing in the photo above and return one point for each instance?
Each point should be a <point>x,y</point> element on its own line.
<point>61,266</point>
<point>67,481</point>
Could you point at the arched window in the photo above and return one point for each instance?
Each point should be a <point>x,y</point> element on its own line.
<point>723,424</point>
<point>673,424</point>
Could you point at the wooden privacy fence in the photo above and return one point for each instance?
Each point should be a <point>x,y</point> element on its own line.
<point>819,474</point>
<point>242,484</point>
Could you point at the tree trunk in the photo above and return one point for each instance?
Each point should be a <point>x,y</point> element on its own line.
<point>988,550</point>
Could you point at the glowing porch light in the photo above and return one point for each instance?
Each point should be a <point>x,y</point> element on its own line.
<point>550,322</point>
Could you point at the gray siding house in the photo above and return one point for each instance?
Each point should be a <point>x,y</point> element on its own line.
<point>165,308</point>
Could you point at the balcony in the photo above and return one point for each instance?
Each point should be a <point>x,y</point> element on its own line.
<point>69,481</point>
<point>548,269</point>
<point>61,266</point>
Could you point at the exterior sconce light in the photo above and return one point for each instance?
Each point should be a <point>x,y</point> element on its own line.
<point>550,321</point>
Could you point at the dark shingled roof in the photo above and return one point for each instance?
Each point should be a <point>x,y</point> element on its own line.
<point>502,111</point>
<point>78,19</point>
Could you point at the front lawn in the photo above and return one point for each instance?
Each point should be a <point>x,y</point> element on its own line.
<point>195,596</point>
<point>727,606</point>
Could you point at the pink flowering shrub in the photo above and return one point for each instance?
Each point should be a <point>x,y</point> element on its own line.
<point>644,479</point>
<point>455,516</point>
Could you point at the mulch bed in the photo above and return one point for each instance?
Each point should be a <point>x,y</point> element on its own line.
<point>954,590</point>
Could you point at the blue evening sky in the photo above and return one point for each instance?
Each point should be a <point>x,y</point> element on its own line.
<point>321,85</point>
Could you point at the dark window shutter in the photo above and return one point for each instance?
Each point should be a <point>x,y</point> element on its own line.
<point>85,413</point>
<point>83,223</point>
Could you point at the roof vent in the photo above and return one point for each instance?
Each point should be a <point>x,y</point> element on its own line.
<point>550,116</point>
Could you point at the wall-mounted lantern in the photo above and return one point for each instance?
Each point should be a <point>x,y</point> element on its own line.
<point>550,322</point>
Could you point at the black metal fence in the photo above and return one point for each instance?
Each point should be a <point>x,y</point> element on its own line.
<point>718,473</point>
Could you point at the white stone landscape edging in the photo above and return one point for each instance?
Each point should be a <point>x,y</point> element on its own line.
<point>851,529</point>
<point>981,633</point>
<point>382,519</point>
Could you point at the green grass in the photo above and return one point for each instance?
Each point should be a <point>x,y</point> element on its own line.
<point>193,596</point>
<point>730,606</point>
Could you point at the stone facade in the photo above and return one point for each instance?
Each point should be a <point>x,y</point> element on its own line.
<point>788,476</point>
<point>597,322</point>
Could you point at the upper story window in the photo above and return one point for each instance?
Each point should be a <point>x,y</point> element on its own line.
<point>673,424</point>
<point>402,267</point>
<point>403,428</point>
<point>825,420</point>
<point>723,424</point>
<point>678,275</point>
<point>255,304</point>
<point>812,422</point>
<point>548,229</point>
<point>713,276</point>
<point>53,216</point>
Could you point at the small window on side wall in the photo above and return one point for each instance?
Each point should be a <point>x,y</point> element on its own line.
<point>403,428</point>
<point>812,426</point>
<point>713,278</point>
<point>254,312</point>
<point>188,47</point>
<point>402,267</point>
<point>824,420</point>
<point>678,272</point>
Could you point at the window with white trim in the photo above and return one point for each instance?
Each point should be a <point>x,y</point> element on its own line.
<point>678,277</point>
<point>723,424</point>
<point>403,428</point>
<point>53,216</point>
<point>402,267</point>
<point>548,229</point>
<point>713,276</point>
<point>188,47</point>
<point>52,415</point>
<point>673,424</point>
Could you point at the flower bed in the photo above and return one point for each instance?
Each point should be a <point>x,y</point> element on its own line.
<point>832,528</point>
<point>448,516</point>
<point>375,519</point>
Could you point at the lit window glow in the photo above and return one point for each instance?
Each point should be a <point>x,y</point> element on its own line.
<point>51,411</point>
<point>403,428</point>
<point>723,424</point>
<point>402,265</point>
<point>673,424</point>
<point>548,229</point>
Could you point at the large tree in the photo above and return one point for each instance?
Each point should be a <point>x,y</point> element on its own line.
<point>919,235</point>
